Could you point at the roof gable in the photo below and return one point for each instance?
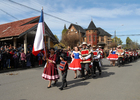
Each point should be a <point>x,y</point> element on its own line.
<point>78,28</point>
<point>102,32</point>
<point>17,27</point>
<point>91,26</point>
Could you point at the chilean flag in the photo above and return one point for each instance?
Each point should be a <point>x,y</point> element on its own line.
<point>39,41</point>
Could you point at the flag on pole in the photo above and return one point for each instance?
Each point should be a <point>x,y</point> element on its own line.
<point>39,41</point>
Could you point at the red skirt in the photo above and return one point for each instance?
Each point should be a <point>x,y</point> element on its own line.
<point>112,57</point>
<point>50,72</point>
<point>75,64</point>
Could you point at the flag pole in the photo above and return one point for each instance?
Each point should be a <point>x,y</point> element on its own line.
<point>45,36</point>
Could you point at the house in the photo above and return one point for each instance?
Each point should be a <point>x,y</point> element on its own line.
<point>23,32</point>
<point>92,35</point>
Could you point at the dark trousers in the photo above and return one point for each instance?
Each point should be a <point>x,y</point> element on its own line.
<point>96,65</point>
<point>1,67</point>
<point>23,63</point>
<point>120,61</point>
<point>16,63</point>
<point>83,66</point>
<point>64,81</point>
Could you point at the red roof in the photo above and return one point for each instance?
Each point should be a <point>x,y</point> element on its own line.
<point>17,27</point>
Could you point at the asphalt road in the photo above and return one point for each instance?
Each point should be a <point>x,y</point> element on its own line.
<point>114,84</point>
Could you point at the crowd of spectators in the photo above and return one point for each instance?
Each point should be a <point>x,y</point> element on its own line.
<point>14,57</point>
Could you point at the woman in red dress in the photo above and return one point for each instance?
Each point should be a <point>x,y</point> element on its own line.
<point>113,56</point>
<point>50,71</point>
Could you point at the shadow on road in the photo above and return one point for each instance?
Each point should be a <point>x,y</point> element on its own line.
<point>74,83</point>
<point>104,74</point>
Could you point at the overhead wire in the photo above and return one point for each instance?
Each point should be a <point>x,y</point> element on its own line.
<point>39,11</point>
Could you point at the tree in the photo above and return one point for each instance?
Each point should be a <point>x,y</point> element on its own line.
<point>56,37</point>
<point>117,40</point>
<point>128,42</point>
<point>134,45</point>
<point>64,32</point>
<point>72,40</point>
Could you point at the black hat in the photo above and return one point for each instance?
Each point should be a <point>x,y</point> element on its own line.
<point>63,56</point>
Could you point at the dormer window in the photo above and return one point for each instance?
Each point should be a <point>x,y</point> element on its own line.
<point>72,29</point>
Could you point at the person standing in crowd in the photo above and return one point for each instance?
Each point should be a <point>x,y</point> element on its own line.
<point>85,56</point>
<point>11,58</point>
<point>33,59</point>
<point>63,68</point>
<point>4,58</point>
<point>15,57</point>
<point>113,56</point>
<point>28,58</point>
<point>120,53</point>
<point>50,71</point>
<point>96,62</point>
<point>75,64</point>
<point>8,56</point>
<point>40,55</point>
<point>23,58</point>
<point>0,60</point>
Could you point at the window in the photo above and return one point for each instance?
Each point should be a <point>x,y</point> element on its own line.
<point>102,39</point>
<point>94,38</point>
<point>89,38</point>
<point>72,29</point>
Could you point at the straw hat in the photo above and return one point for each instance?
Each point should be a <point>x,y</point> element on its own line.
<point>119,46</point>
<point>99,46</point>
<point>94,46</point>
<point>84,43</point>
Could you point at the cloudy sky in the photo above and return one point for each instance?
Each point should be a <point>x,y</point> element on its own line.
<point>120,15</point>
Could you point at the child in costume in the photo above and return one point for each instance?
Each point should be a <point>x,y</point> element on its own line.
<point>64,69</point>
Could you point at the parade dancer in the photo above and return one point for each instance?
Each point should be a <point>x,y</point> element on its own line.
<point>63,68</point>
<point>120,53</point>
<point>127,55</point>
<point>113,56</point>
<point>85,56</point>
<point>96,63</point>
<point>75,64</point>
<point>101,53</point>
<point>50,71</point>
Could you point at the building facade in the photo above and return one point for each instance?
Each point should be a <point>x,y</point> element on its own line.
<point>92,35</point>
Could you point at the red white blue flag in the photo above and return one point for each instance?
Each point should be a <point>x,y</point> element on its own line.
<point>39,41</point>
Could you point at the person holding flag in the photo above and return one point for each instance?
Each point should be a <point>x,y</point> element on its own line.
<point>50,71</point>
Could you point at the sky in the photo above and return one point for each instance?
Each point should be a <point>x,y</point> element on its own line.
<point>122,16</point>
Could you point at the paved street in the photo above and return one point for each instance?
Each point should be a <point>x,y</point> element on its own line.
<point>115,84</point>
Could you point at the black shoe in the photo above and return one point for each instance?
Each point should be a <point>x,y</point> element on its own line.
<point>75,77</point>
<point>61,88</point>
<point>100,73</point>
<point>49,86</point>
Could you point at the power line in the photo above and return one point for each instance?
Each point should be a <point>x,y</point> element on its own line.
<point>39,11</point>
<point>9,14</point>
<point>130,35</point>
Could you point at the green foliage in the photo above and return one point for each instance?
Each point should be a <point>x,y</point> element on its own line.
<point>117,40</point>
<point>56,37</point>
<point>128,42</point>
